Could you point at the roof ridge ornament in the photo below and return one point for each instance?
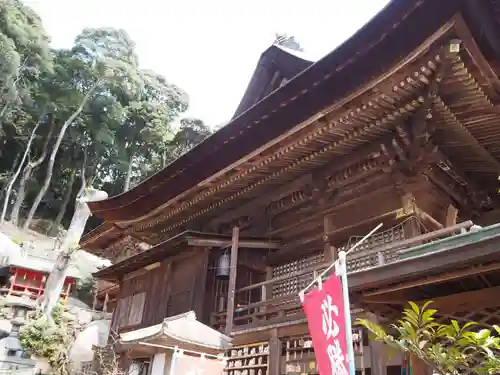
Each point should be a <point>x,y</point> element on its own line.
<point>454,45</point>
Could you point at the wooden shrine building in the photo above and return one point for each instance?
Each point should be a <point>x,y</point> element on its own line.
<point>399,125</point>
<point>25,274</point>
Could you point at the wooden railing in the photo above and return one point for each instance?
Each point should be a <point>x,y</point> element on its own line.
<point>275,309</point>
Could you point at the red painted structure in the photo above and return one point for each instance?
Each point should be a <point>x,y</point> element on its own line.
<point>32,283</point>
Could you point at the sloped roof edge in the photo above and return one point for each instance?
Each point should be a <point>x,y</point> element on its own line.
<point>182,328</point>
<point>394,32</point>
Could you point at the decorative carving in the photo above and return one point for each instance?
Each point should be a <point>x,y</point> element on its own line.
<point>123,248</point>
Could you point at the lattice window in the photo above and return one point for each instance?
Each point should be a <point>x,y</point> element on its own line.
<point>294,284</point>
<point>392,235</point>
<point>377,239</point>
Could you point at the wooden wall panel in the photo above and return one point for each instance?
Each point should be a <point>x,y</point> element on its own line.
<point>183,275</point>
<point>137,302</point>
<point>200,287</point>
<point>177,286</point>
<point>157,295</point>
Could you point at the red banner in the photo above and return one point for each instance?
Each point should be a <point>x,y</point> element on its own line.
<point>324,308</point>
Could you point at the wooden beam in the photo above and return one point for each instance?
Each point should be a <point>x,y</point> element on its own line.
<point>248,243</point>
<point>355,196</point>
<point>431,280</point>
<point>330,252</point>
<point>467,301</point>
<point>314,178</point>
<point>439,258</point>
<point>431,222</point>
<point>451,215</point>
<point>306,203</point>
<point>262,200</point>
<point>291,247</point>
<point>446,185</point>
<point>274,353</point>
<point>233,272</point>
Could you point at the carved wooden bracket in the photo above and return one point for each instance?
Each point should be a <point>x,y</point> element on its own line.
<point>412,146</point>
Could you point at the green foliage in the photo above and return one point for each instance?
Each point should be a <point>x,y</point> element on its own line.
<point>25,55</point>
<point>447,348</point>
<point>128,128</point>
<point>51,341</point>
<point>85,290</point>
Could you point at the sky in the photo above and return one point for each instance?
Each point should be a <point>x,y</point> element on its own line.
<point>209,48</point>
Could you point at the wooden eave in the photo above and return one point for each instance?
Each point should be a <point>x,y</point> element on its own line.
<point>371,117</point>
<point>446,254</point>
<point>100,237</point>
<point>176,245</point>
<point>105,287</point>
<point>394,32</point>
<point>465,128</point>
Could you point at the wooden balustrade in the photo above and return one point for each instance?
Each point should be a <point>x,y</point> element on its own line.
<point>272,309</point>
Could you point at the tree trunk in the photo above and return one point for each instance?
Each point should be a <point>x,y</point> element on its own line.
<point>21,194</point>
<point>52,160</point>
<point>68,246</point>
<point>64,205</point>
<point>128,177</point>
<point>27,173</point>
<point>12,169</point>
<point>17,172</point>
<point>14,85</point>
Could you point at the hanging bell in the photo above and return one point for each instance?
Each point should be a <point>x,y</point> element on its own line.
<point>222,270</point>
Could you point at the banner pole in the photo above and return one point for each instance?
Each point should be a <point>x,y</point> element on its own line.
<point>347,311</point>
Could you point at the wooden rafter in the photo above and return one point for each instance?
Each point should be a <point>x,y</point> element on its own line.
<point>403,111</point>
<point>468,301</point>
<point>431,280</point>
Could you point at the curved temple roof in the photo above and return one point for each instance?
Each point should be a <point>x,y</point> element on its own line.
<point>277,65</point>
<point>184,331</point>
<point>390,37</point>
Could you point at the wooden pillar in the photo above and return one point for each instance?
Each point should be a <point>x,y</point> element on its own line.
<point>12,281</point>
<point>269,287</point>
<point>42,285</point>
<point>68,291</point>
<point>274,353</point>
<point>378,357</point>
<point>94,301</point>
<point>233,270</point>
<point>451,216</point>
<point>329,249</point>
<point>105,304</point>
<point>411,228</point>
<point>267,290</point>
<point>419,367</point>
<point>124,362</point>
<point>158,365</point>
